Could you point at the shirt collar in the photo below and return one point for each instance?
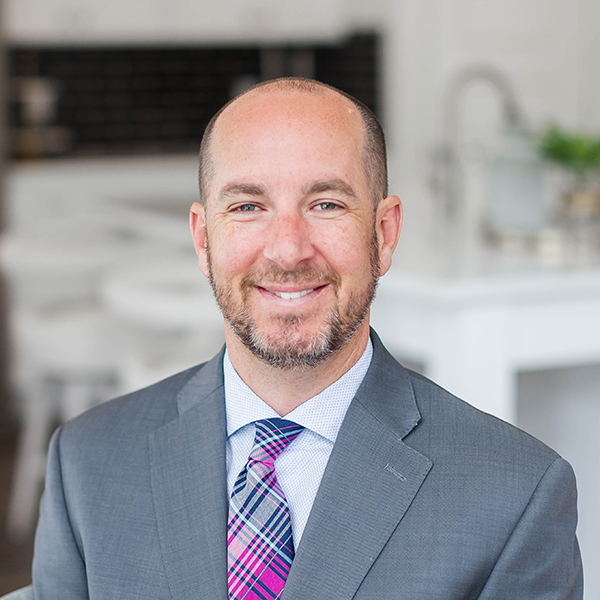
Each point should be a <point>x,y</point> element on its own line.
<point>322,413</point>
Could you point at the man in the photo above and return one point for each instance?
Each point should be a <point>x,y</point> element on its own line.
<point>304,461</point>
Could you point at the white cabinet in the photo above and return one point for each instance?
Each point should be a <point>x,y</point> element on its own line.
<point>171,21</point>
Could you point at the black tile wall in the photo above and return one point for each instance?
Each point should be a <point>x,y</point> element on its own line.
<point>352,67</point>
<point>132,100</point>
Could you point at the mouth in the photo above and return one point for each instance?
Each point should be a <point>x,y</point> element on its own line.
<point>291,295</point>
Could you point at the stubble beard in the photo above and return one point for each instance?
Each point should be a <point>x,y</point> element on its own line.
<point>287,349</point>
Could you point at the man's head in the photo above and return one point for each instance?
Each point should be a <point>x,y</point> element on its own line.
<point>294,229</point>
<point>373,151</point>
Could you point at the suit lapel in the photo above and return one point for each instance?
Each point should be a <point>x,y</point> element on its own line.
<point>188,473</point>
<point>368,485</point>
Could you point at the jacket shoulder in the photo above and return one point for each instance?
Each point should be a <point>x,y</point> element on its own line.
<point>135,413</point>
<point>451,425</point>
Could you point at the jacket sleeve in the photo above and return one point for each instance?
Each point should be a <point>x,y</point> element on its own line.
<point>58,562</point>
<point>541,557</point>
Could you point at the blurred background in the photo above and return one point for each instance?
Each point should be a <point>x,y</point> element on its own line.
<point>492,114</point>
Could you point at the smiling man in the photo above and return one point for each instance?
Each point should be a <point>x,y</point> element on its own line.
<point>302,462</point>
<point>293,234</point>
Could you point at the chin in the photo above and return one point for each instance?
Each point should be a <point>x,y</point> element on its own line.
<point>294,346</point>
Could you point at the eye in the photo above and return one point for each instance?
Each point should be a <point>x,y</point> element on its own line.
<point>327,205</point>
<point>248,207</point>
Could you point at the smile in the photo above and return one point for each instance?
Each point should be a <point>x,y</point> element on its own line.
<point>292,295</point>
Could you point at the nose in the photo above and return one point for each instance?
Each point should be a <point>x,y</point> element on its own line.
<point>288,241</point>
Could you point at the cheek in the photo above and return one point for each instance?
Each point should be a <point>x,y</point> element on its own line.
<point>233,253</point>
<point>347,249</point>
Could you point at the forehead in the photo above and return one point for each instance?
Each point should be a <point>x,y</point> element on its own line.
<point>278,130</point>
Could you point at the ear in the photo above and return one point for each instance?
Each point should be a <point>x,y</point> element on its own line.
<point>388,226</point>
<point>198,228</point>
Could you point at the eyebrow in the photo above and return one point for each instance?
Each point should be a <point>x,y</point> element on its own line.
<point>242,189</point>
<point>330,185</point>
<point>317,187</point>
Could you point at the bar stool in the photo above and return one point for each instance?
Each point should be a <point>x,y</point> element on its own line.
<point>170,316</point>
<point>71,364</point>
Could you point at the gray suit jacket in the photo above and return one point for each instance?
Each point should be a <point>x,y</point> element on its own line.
<point>424,497</point>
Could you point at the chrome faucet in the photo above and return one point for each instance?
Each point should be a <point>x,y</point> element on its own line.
<point>446,180</point>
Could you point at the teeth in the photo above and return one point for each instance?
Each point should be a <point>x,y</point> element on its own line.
<point>292,295</point>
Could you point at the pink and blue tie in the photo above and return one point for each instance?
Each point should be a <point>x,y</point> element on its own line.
<point>259,536</point>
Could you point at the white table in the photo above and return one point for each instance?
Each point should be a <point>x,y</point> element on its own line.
<point>472,334</point>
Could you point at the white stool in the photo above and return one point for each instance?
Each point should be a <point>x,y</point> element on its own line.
<point>64,363</point>
<point>170,315</point>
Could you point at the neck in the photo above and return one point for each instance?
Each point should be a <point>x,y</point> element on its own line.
<point>284,390</point>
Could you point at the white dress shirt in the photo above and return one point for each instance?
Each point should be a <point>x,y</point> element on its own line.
<point>299,468</point>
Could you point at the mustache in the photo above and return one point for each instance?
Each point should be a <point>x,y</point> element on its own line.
<point>304,274</point>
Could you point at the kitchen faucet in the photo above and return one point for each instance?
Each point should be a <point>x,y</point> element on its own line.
<point>446,181</point>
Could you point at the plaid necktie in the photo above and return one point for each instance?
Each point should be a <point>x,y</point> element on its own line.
<point>259,536</point>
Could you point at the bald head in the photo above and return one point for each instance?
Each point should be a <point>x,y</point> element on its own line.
<point>373,142</point>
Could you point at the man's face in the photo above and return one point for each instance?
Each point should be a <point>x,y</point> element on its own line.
<point>290,244</point>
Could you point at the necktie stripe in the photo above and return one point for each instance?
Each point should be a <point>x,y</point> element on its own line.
<point>260,545</point>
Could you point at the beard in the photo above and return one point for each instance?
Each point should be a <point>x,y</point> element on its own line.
<point>289,349</point>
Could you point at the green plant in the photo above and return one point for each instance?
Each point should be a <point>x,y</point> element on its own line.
<point>575,152</point>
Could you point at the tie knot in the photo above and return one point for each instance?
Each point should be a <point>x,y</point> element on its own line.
<point>272,437</point>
